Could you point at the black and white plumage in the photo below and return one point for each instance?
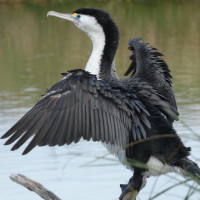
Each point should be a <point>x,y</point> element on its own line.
<point>95,104</point>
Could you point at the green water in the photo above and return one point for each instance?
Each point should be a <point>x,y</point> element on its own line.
<point>34,50</point>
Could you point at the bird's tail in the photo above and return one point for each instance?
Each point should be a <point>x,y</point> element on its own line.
<point>190,169</point>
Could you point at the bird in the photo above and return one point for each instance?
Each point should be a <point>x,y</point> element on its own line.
<point>132,117</point>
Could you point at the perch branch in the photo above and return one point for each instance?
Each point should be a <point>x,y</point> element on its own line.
<point>34,186</point>
<point>130,195</point>
<point>47,194</point>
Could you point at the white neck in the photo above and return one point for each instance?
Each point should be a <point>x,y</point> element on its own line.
<point>95,32</point>
<point>94,62</point>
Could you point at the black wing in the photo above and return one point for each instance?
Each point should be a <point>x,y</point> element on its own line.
<point>80,106</point>
<point>148,67</point>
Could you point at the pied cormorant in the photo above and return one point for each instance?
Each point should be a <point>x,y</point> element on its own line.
<point>132,116</point>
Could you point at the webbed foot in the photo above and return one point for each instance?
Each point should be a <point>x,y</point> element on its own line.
<point>128,191</point>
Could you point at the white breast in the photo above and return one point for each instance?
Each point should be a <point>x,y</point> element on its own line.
<point>156,167</point>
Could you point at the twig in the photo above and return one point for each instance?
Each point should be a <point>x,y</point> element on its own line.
<point>169,188</point>
<point>34,186</point>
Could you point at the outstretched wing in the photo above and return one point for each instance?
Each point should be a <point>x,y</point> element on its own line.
<point>80,106</point>
<point>148,67</point>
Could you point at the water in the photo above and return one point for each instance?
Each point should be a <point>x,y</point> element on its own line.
<point>35,50</point>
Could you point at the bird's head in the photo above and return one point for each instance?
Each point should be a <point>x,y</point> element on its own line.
<point>103,32</point>
<point>90,20</point>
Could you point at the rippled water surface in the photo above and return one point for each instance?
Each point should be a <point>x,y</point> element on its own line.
<point>36,49</point>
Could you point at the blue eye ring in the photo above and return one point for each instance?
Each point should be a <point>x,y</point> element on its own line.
<point>78,16</point>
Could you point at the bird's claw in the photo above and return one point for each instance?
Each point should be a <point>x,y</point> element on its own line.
<point>127,188</point>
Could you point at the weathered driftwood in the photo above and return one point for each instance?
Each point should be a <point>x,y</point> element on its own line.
<point>47,194</point>
<point>34,186</point>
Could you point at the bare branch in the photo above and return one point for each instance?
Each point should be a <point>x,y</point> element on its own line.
<point>34,186</point>
<point>48,195</point>
<point>130,195</point>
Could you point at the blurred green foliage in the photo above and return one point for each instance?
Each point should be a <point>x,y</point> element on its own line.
<point>36,49</point>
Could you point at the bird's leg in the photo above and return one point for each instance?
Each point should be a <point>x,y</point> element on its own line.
<point>135,184</point>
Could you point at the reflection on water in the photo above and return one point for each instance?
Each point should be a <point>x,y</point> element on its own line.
<point>35,50</point>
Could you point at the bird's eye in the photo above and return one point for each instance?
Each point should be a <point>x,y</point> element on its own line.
<point>76,16</point>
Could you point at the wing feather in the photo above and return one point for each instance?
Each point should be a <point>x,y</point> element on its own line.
<point>88,128</point>
<point>75,131</point>
<point>70,137</point>
<point>80,106</point>
<point>59,128</point>
<point>148,67</point>
<point>35,125</point>
<point>21,123</point>
<point>101,126</point>
<point>64,127</point>
<point>92,122</point>
<point>97,130</point>
<point>84,121</point>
